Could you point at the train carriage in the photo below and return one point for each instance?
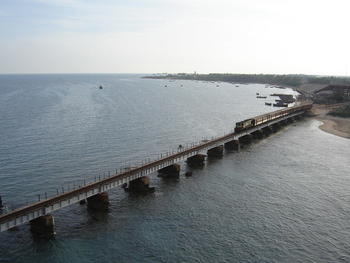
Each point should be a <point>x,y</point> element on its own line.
<point>243,125</point>
<point>246,124</point>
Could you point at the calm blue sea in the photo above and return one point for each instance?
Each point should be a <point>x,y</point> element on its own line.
<point>284,198</point>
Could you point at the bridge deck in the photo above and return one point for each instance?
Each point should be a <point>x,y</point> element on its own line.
<point>35,210</point>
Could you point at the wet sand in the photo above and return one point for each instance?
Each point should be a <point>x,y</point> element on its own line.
<point>334,125</point>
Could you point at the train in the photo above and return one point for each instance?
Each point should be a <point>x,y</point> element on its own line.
<point>256,121</point>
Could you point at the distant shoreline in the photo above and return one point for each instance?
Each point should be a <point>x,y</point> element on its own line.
<point>334,125</point>
<point>293,80</point>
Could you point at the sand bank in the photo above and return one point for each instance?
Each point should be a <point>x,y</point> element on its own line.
<point>334,125</point>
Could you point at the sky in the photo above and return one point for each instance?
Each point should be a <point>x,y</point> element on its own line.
<point>175,36</point>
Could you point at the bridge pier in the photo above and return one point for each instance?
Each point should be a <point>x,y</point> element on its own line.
<point>196,160</point>
<point>140,185</point>
<point>267,130</point>
<point>99,201</point>
<point>246,139</point>
<point>170,171</point>
<point>298,117</point>
<point>259,134</point>
<point>283,122</point>
<point>276,127</point>
<point>43,225</point>
<point>216,151</point>
<point>232,145</point>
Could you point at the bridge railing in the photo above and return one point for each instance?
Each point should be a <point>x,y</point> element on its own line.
<point>49,204</point>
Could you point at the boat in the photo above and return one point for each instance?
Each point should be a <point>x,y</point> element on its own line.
<point>257,93</point>
<point>261,97</point>
<point>268,103</point>
<point>100,87</point>
<point>280,105</point>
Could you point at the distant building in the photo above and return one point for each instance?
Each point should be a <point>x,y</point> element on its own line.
<point>342,89</point>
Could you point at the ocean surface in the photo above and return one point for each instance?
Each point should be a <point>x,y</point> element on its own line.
<point>285,198</point>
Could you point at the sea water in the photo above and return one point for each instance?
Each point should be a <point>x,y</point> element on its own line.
<point>284,198</point>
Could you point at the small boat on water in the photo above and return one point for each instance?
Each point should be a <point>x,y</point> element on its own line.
<point>261,97</point>
<point>100,87</point>
<point>268,103</point>
<point>280,105</point>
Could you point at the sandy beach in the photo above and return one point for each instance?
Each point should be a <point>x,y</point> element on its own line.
<point>334,125</point>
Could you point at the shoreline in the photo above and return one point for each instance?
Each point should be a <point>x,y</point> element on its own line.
<point>334,125</point>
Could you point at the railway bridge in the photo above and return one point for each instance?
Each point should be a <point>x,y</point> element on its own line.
<point>39,213</point>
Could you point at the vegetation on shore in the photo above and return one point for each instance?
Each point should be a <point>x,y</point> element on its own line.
<point>337,97</point>
<point>272,79</point>
<point>341,112</point>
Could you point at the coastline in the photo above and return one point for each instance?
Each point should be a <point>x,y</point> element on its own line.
<point>334,125</point>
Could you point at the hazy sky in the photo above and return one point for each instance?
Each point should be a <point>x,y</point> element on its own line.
<point>154,36</point>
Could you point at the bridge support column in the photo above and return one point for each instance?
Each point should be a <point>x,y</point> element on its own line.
<point>232,145</point>
<point>258,134</point>
<point>43,225</point>
<point>99,201</point>
<point>283,122</point>
<point>276,127</point>
<point>170,171</point>
<point>197,160</point>
<point>216,151</point>
<point>140,185</point>
<point>246,139</point>
<point>267,130</point>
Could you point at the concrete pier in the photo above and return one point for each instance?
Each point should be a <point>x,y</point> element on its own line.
<point>267,130</point>
<point>197,160</point>
<point>276,127</point>
<point>259,134</point>
<point>98,201</point>
<point>140,185</point>
<point>216,151</point>
<point>232,145</point>
<point>170,171</point>
<point>246,139</point>
<point>43,225</point>
<point>283,122</point>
